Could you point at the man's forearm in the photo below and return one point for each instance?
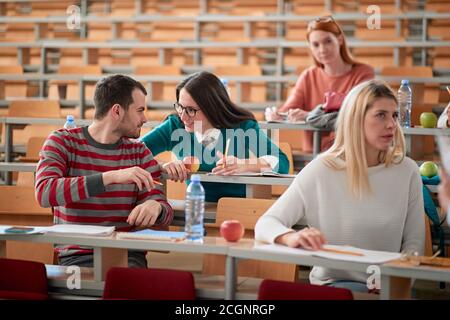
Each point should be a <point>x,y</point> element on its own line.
<point>108,178</point>
<point>60,191</point>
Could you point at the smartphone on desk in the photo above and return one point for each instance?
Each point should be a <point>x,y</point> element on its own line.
<point>19,230</point>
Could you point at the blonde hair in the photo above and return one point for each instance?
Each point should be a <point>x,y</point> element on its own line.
<point>349,144</point>
<point>327,23</point>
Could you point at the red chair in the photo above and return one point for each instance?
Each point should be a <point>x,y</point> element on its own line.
<point>283,290</point>
<point>149,284</point>
<point>23,280</point>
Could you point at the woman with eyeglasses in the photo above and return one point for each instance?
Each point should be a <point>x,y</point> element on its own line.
<point>205,123</point>
<point>363,191</point>
<point>334,73</point>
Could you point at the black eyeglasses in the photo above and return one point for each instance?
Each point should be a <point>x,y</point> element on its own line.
<point>191,112</point>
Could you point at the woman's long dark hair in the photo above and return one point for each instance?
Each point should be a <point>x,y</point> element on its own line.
<point>211,96</point>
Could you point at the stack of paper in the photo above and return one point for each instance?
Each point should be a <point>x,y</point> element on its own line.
<point>79,230</point>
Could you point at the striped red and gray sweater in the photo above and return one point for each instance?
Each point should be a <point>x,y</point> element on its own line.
<point>69,179</point>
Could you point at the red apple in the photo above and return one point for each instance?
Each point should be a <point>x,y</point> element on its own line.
<point>191,163</point>
<point>232,230</point>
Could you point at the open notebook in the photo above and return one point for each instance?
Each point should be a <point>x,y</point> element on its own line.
<point>288,122</point>
<point>148,234</point>
<point>260,174</point>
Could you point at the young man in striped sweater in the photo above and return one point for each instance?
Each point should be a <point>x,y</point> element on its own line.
<point>100,175</point>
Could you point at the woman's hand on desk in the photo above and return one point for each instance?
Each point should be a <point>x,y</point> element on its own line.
<point>272,114</point>
<point>295,115</point>
<point>232,165</point>
<point>176,170</point>
<point>307,238</point>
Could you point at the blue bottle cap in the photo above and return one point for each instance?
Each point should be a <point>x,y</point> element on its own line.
<point>195,178</point>
<point>405,82</point>
<point>70,117</point>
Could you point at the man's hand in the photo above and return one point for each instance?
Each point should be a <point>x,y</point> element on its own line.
<point>137,175</point>
<point>145,214</point>
<point>176,170</point>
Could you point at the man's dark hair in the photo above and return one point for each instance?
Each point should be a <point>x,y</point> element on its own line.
<point>115,89</point>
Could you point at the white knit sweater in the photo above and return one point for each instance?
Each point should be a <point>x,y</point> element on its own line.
<point>389,219</point>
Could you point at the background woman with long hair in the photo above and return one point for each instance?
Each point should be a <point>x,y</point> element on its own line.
<point>334,74</point>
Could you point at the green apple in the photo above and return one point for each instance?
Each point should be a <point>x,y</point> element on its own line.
<point>428,169</point>
<point>428,120</point>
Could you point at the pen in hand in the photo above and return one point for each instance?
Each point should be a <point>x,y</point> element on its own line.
<point>226,153</point>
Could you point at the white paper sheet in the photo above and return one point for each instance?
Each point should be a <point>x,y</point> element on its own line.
<point>278,248</point>
<point>259,174</point>
<point>369,256</point>
<point>79,229</point>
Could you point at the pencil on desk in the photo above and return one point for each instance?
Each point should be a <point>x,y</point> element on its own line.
<point>227,146</point>
<point>342,252</point>
<point>158,183</point>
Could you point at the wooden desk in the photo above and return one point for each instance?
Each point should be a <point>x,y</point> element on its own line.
<point>246,250</point>
<point>396,278</point>
<point>256,187</point>
<point>418,144</point>
<point>179,214</point>
<point>111,252</point>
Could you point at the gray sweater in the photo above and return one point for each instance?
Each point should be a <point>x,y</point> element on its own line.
<point>389,219</point>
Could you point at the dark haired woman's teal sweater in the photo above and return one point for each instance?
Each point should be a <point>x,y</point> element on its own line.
<point>246,139</point>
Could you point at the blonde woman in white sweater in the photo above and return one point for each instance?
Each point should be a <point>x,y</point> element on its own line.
<point>362,192</point>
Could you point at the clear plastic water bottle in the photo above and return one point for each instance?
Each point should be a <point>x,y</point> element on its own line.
<point>194,210</point>
<point>70,122</point>
<point>404,97</point>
